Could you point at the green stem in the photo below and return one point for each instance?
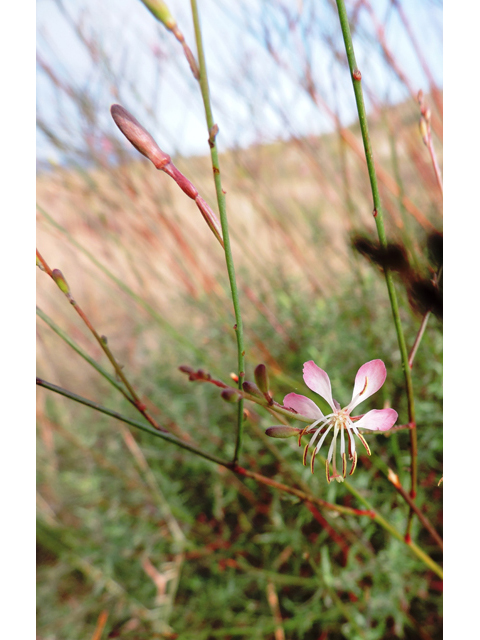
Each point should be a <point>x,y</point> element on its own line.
<point>223,218</point>
<point>391,529</point>
<point>66,338</point>
<point>134,423</point>
<point>378,214</point>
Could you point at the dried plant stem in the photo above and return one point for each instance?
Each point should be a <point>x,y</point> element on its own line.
<point>418,339</point>
<point>302,495</point>
<point>212,131</point>
<point>102,341</point>
<point>362,116</point>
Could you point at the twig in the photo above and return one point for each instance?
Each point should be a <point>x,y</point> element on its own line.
<point>60,281</point>
<point>212,132</point>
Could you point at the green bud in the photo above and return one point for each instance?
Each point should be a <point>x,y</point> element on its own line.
<point>57,275</point>
<point>261,378</point>
<point>282,432</point>
<point>161,12</point>
<point>230,395</point>
<point>252,389</point>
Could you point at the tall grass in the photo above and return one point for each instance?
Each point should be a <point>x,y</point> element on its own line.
<point>138,536</point>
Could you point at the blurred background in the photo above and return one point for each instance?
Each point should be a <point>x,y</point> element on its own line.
<point>148,539</point>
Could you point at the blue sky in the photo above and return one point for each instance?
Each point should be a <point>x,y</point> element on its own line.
<point>255,100</point>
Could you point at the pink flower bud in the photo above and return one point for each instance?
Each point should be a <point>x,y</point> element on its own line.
<point>282,432</point>
<point>261,378</point>
<point>62,284</point>
<point>139,136</point>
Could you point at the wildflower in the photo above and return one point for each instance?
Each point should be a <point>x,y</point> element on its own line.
<point>369,379</point>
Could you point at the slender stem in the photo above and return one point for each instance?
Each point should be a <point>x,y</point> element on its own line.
<point>66,338</point>
<point>170,329</point>
<point>102,341</point>
<point>421,516</point>
<point>212,131</point>
<point>378,214</point>
<point>418,339</point>
<point>134,423</point>
<point>391,529</point>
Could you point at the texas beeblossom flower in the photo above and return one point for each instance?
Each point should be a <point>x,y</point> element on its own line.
<point>369,379</point>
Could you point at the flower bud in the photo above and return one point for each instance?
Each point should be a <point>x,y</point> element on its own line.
<point>252,389</point>
<point>160,10</point>
<point>261,378</point>
<point>282,431</point>
<point>57,275</point>
<point>185,369</point>
<point>210,218</point>
<point>138,136</point>
<point>424,130</point>
<point>230,395</point>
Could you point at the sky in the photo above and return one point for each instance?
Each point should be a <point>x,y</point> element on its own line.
<point>255,99</point>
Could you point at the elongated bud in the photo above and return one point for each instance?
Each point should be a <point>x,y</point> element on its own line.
<point>161,12</point>
<point>57,275</point>
<point>282,432</point>
<point>261,378</point>
<point>40,265</point>
<point>230,395</point>
<point>252,389</point>
<point>424,130</point>
<point>185,369</point>
<point>139,136</point>
<point>210,218</point>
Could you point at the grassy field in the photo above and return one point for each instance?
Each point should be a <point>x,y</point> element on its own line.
<point>140,538</point>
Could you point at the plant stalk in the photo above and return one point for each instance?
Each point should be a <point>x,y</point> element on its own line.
<point>378,215</point>
<point>212,131</point>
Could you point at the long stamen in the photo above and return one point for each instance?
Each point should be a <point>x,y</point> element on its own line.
<point>310,426</point>
<point>354,463</point>
<point>305,451</point>
<point>322,439</point>
<point>362,439</point>
<point>312,460</point>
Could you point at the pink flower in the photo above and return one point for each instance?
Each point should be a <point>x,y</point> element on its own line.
<point>369,379</point>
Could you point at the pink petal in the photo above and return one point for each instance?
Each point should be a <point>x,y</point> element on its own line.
<point>317,380</point>
<point>377,420</point>
<point>302,405</point>
<point>369,379</point>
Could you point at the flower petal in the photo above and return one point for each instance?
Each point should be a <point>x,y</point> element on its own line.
<point>369,379</point>
<point>302,405</point>
<point>317,380</point>
<point>378,420</point>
